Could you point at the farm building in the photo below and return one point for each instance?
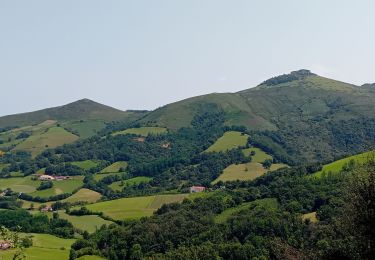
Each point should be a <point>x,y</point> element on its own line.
<point>46,209</point>
<point>46,178</point>
<point>4,245</point>
<point>60,178</point>
<point>194,189</point>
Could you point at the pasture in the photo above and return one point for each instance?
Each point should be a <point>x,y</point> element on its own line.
<point>19,184</point>
<point>85,128</point>
<point>230,140</point>
<point>88,223</point>
<point>85,165</point>
<point>245,171</point>
<point>142,131</point>
<point>119,185</point>
<point>85,195</point>
<point>337,166</point>
<point>226,214</point>
<point>44,247</point>
<point>259,157</point>
<point>134,208</point>
<point>115,167</point>
<point>53,137</point>
<point>100,176</point>
<point>60,187</point>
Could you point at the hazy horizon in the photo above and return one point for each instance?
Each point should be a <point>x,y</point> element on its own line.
<point>145,54</point>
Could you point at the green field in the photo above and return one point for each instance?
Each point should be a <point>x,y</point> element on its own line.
<point>100,176</point>
<point>115,167</point>
<point>268,203</point>
<point>86,128</point>
<point>86,165</point>
<point>116,186</point>
<point>88,223</point>
<point>134,208</point>
<point>259,157</point>
<point>53,137</point>
<point>142,131</point>
<point>228,141</point>
<point>44,247</point>
<point>245,171</point>
<point>90,257</point>
<point>60,187</point>
<point>19,184</point>
<point>85,195</point>
<point>337,166</point>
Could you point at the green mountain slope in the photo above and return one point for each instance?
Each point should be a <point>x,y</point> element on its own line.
<point>307,116</point>
<point>84,109</point>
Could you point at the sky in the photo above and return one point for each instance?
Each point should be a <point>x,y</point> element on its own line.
<point>143,54</point>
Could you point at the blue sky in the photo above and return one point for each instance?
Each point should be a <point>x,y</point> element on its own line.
<point>144,54</point>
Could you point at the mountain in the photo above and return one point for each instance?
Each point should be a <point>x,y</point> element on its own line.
<point>301,114</point>
<point>84,109</point>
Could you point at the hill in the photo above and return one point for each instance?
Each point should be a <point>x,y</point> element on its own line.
<point>84,109</point>
<point>299,115</point>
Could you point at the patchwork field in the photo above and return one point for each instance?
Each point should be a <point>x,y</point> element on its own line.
<point>134,208</point>
<point>230,140</point>
<point>142,131</point>
<point>246,171</point>
<point>53,137</point>
<point>100,176</point>
<point>337,166</point>
<point>86,165</point>
<point>225,215</point>
<point>60,187</point>
<point>259,157</point>
<point>117,186</point>
<point>84,194</point>
<point>44,247</point>
<point>115,167</point>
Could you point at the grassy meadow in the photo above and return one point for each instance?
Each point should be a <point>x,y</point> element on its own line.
<point>88,223</point>
<point>86,165</point>
<point>117,186</point>
<point>225,215</point>
<point>337,166</point>
<point>100,176</point>
<point>60,187</point>
<point>115,167</point>
<point>85,195</point>
<point>134,208</point>
<point>19,184</point>
<point>44,247</point>
<point>53,137</point>
<point>85,128</point>
<point>230,140</point>
<point>142,131</point>
<point>259,157</point>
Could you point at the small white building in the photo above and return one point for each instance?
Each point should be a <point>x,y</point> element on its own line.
<point>194,189</point>
<point>46,178</point>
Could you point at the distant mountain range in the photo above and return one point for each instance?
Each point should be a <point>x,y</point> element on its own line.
<point>299,115</point>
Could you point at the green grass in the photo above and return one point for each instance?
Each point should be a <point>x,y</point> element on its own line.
<point>259,157</point>
<point>88,223</point>
<point>245,171</point>
<point>115,167</point>
<point>90,257</point>
<point>86,128</point>
<point>60,187</point>
<point>54,137</point>
<point>18,184</point>
<point>134,208</point>
<point>230,140</point>
<point>85,195</point>
<point>142,131</point>
<point>44,247</point>
<point>100,176</point>
<point>226,214</point>
<point>116,186</point>
<point>86,165</point>
<point>337,166</point>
